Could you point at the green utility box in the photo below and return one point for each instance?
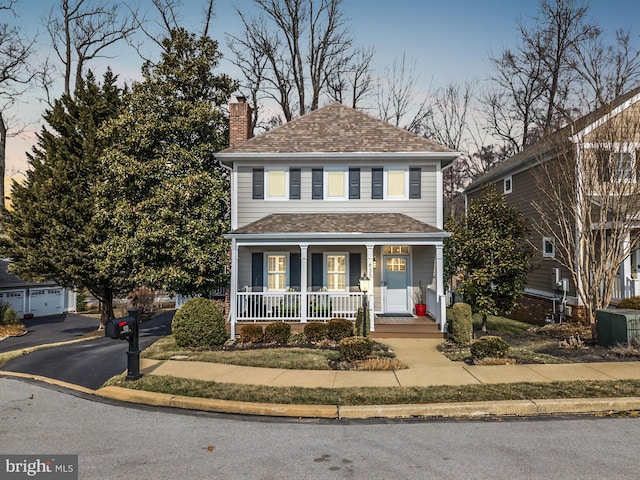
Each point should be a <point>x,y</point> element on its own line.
<point>615,326</point>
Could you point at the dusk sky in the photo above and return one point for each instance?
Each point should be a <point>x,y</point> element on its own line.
<point>450,41</point>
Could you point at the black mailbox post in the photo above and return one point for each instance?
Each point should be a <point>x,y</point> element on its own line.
<point>127,328</point>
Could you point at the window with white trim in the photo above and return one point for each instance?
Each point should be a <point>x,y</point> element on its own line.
<point>276,184</point>
<point>335,184</point>
<point>396,183</point>
<point>548,248</point>
<point>336,273</point>
<point>276,272</point>
<point>622,166</point>
<point>508,184</point>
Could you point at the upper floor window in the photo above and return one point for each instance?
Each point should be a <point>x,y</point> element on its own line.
<point>508,184</point>
<point>395,183</point>
<point>615,166</point>
<point>276,184</point>
<point>548,247</point>
<point>335,184</point>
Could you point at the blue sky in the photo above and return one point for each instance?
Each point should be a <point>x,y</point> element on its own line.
<point>450,40</point>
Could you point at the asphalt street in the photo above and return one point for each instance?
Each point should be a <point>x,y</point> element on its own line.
<point>89,363</point>
<point>125,442</point>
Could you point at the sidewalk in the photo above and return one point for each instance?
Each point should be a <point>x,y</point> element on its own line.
<point>427,367</point>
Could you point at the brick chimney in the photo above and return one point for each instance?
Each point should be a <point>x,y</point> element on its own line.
<point>239,121</point>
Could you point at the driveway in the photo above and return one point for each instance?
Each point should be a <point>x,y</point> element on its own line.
<point>89,363</point>
<point>51,329</point>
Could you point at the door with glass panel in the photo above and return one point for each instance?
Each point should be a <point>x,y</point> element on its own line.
<point>396,278</point>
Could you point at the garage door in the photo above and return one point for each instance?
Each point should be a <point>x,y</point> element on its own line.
<point>15,300</point>
<point>46,301</point>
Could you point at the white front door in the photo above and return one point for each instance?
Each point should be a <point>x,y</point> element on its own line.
<point>396,278</point>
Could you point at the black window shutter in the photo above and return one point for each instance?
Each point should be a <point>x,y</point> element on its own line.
<point>317,274</point>
<point>257,271</point>
<point>294,268</point>
<point>355,266</point>
<point>354,183</point>
<point>294,184</point>
<point>414,182</point>
<point>316,183</point>
<point>258,183</point>
<point>376,183</point>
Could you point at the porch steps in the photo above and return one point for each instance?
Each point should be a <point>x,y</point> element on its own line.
<point>403,327</point>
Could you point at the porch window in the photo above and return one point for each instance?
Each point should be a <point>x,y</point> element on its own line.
<point>395,250</point>
<point>336,272</point>
<point>276,272</point>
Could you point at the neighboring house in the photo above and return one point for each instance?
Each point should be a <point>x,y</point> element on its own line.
<point>32,299</point>
<point>325,199</point>
<point>550,285</point>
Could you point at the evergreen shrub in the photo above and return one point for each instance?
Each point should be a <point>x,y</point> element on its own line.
<point>355,348</point>
<point>277,332</point>
<point>462,325</point>
<point>199,323</point>
<point>339,328</point>
<point>489,346</point>
<point>315,331</point>
<point>251,334</point>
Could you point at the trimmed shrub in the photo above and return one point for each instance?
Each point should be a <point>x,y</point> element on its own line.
<point>81,301</point>
<point>489,346</point>
<point>631,302</point>
<point>462,325</point>
<point>10,317</point>
<point>339,328</point>
<point>277,332</point>
<point>359,318</point>
<point>251,334</point>
<point>199,323</point>
<point>315,331</point>
<point>355,348</point>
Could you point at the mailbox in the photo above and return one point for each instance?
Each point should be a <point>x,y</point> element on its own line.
<point>120,328</point>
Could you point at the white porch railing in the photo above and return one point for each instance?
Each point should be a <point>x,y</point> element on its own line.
<point>285,306</point>
<point>625,287</point>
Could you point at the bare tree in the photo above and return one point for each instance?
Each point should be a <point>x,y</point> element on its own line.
<point>301,41</point>
<point>606,71</point>
<point>534,81</point>
<point>589,201</point>
<point>397,97</point>
<point>449,123</point>
<point>169,20</point>
<point>81,30</point>
<point>15,75</point>
<point>352,80</point>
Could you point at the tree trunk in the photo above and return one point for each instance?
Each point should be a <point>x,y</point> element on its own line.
<point>3,153</point>
<point>484,322</point>
<point>106,307</point>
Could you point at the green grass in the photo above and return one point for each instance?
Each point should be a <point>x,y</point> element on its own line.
<point>380,395</point>
<point>292,358</point>
<point>502,325</point>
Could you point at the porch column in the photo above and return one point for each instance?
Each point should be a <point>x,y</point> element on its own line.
<point>441,312</point>
<point>370,295</point>
<point>233,298</point>
<point>303,282</point>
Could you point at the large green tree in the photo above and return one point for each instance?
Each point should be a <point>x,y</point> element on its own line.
<point>488,248</point>
<point>51,233</point>
<point>165,195</point>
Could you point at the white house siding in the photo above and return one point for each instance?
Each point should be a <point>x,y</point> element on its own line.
<point>424,209</point>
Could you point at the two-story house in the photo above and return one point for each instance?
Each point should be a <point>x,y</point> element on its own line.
<point>593,163</point>
<point>324,200</point>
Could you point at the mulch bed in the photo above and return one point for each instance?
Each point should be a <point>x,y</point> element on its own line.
<point>12,330</point>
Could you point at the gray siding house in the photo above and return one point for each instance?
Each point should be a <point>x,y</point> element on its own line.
<point>325,199</point>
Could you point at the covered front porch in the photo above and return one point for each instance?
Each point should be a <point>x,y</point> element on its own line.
<point>299,277</point>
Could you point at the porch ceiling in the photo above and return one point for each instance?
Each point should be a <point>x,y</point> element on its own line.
<point>338,223</point>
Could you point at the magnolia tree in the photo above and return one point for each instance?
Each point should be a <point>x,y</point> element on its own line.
<point>488,250</point>
<point>589,203</point>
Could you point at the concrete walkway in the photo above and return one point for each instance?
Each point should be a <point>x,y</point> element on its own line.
<point>427,367</point>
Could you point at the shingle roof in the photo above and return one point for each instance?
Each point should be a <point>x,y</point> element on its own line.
<point>336,128</point>
<point>553,141</point>
<point>337,223</point>
<point>9,280</point>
